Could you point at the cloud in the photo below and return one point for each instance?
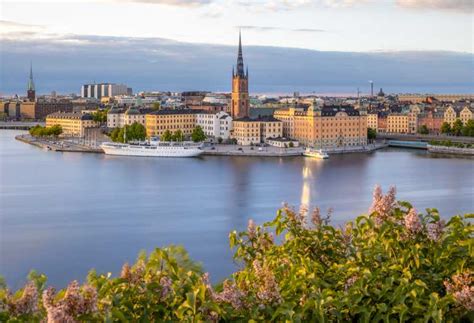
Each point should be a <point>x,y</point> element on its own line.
<point>466,6</point>
<point>178,3</point>
<point>271,28</point>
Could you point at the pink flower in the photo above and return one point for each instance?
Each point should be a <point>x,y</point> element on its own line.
<point>27,303</point>
<point>383,205</point>
<point>166,286</point>
<point>435,230</point>
<point>268,290</point>
<point>462,290</point>
<point>251,229</point>
<point>412,222</point>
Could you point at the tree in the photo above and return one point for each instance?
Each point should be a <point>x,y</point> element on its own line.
<point>198,134</point>
<point>136,131</point>
<point>446,128</point>
<point>114,135</point>
<point>291,145</point>
<point>371,134</point>
<point>55,130</point>
<point>423,130</point>
<point>167,136</point>
<point>468,129</point>
<point>156,106</point>
<point>220,140</point>
<point>178,135</point>
<point>100,116</point>
<point>39,131</point>
<point>457,127</point>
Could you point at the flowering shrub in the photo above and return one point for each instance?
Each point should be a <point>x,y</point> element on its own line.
<point>393,264</point>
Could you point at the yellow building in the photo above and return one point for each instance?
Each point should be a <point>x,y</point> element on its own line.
<point>72,123</point>
<point>158,122</point>
<point>372,121</point>
<point>255,131</point>
<point>398,123</point>
<point>466,114</point>
<point>325,127</point>
<point>450,115</point>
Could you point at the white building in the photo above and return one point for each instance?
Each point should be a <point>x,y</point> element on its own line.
<point>104,90</point>
<point>117,118</point>
<point>215,125</point>
<point>135,100</point>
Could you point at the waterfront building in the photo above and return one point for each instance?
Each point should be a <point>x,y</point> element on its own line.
<point>432,120</point>
<point>282,142</point>
<point>104,90</point>
<point>450,115</point>
<point>397,123</point>
<point>30,92</point>
<point>215,125</point>
<point>253,131</point>
<point>41,108</point>
<point>372,119</point>
<point>73,124</point>
<point>118,117</point>
<point>418,98</point>
<point>157,122</point>
<point>466,114</point>
<point>324,127</point>
<point>240,87</point>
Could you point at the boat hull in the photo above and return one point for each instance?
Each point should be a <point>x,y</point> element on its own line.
<point>152,151</point>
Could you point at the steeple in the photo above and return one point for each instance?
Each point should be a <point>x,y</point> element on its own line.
<point>30,91</point>
<point>31,83</point>
<point>240,59</point>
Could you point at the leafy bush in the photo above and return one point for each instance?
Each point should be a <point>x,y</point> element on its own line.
<point>392,265</point>
<point>39,131</point>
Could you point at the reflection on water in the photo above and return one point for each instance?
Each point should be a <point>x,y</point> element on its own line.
<point>64,213</point>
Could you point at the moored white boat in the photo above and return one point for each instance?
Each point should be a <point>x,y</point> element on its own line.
<point>153,149</point>
<point>316,153</point>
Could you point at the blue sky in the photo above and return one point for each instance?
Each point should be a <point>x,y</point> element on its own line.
<point>338,25</point>
<point>322,46</point>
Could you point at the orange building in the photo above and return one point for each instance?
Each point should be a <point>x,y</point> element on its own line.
<point>325,127</point>
<point>158,122</point>
<point>240,88</point>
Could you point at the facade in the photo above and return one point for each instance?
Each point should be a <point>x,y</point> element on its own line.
<point>417,98</point>
<point>40,109</point>
<point>397,123</point>
<point>324,127</point>
<point>282,142</point>
<point>372,119</point>
<point>432,120</point>
<point>240,88</point>
<point>450,115</point>
<point>74,124</point>
<point>466,114</point>
<point>118,118</point>
<point>215,125</point>
<point>255,131</point>
<point>104,90</point>
<point>158,122</point>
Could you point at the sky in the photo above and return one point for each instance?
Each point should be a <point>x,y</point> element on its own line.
<point>389,27</point>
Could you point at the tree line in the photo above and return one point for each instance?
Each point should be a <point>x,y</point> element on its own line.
<point>39,131</point>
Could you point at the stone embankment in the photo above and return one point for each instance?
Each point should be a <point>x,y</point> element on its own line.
<point>450,150</point>
<point>59,145</point>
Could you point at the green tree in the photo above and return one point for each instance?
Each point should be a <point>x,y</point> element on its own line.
<point>468,129</point>
<point>100,116</point>
<point>178,135</point>
<point>114,135</point>
<point>457,127</point>
<point>423,130</point>
<point>136,131</point>
<point>446,128</point>
<point>167,136</point>
<point>371,134</point>
<point>220,140</point>
<point>198,134</point>
<point>156,105</point>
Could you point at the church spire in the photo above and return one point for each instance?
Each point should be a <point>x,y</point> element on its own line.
<point>240,59</point>
<point>31,83</point>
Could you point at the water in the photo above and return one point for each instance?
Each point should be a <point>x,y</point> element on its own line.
<point>64,213</point>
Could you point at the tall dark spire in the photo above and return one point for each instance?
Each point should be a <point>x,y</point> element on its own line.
<point>31,83</point>
<point>240,59</point>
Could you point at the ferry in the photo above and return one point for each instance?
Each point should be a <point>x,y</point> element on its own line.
<point>316,153</point>
<point>153,149</point>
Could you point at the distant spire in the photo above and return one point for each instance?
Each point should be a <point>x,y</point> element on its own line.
<point>31,83</point>
<point>240,58</point>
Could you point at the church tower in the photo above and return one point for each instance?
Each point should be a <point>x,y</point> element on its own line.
<point>30,92</point>
<point>240,87</point>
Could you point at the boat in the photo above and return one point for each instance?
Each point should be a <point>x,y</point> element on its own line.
<point>316,153</point>
<point>153,149</point>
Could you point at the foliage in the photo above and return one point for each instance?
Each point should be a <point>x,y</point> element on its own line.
<point>167,136</point>
<point>446,128</point>
<point>220,140</point>
<point>371,134</point>
<point>198,134</point>
<point>291,145</point>
<point>423,130</point>
<point>449,143</point>
<point>177,135</point>
<point>100,116</point>
<point>393,264</point>
<point>468,129</point>
<point>156,106</point>
<point>457,127</point>
<point>39,131</point>
<point>135,131</point>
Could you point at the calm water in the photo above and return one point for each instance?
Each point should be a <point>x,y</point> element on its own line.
<point>64,213</point>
